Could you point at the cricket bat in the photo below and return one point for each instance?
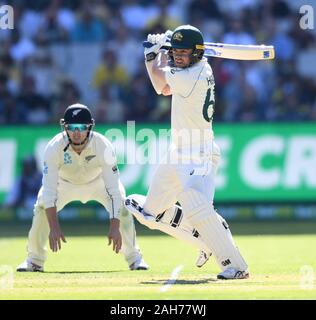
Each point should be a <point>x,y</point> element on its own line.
<point>239,51</point>
<point>233,51</point>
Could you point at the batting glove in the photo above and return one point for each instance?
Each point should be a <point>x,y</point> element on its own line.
<point>156,43</point>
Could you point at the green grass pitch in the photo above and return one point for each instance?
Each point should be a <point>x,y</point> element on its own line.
<point>281,257</point>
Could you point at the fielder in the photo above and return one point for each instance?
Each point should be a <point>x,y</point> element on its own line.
<point>79,164</point>
<point>187,174</point>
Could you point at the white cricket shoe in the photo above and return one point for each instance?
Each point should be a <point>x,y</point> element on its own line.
<point>202,258</point>
<point>28,266</point>
<point>232,273</point>
<point>139,264</point>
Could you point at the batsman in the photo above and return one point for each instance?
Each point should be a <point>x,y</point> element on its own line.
<point>79,165</point>
<point>187,173</point>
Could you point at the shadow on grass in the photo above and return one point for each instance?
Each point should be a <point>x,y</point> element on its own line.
<point>167,281</point>
<point>82,272</point>
<point>71,229</point>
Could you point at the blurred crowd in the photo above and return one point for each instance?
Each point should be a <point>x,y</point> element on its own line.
<point>35,87</point>
<point>24,190</point>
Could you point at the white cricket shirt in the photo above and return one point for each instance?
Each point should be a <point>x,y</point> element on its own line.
<point>96,160</point>
<point>192,104</point>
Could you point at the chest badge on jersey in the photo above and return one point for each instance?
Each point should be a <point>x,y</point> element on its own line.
<point>67,158</point>
<point>88,158</point>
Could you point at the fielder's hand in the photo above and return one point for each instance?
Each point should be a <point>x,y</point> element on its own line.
<point>55,237</point>
<point>115,235</point>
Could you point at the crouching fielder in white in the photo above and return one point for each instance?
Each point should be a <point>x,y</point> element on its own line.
<point>80,164</point>
<point>187,176</point>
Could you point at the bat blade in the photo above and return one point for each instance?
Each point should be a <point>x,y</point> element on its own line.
<point>239,52</point>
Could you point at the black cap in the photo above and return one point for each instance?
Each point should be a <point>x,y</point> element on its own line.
<point>78,113</point>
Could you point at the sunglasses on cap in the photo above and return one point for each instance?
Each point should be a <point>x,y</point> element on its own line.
<point>77,126</point>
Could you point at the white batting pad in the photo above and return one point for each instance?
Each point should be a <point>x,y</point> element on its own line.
<point>213,230</point>
<point>217,235</point>
<point>134,203</point>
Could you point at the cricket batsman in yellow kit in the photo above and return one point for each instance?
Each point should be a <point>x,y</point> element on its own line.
<point>80,165</point>
<point>187,173</point>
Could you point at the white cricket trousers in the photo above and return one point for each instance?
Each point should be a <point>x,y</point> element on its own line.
<point>174,175</point>
<point>67,192</point>
<point>194,187</point>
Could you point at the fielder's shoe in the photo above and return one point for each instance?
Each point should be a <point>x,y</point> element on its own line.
<point>232,273</point>
<point>139,264</point>
<point>28,266</point>
<point>202,258</point>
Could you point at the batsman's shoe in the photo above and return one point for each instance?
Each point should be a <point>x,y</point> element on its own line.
<point>202,258</point>
<point>28,266</point>
<point>232,273</point>
<point>139,264</point>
